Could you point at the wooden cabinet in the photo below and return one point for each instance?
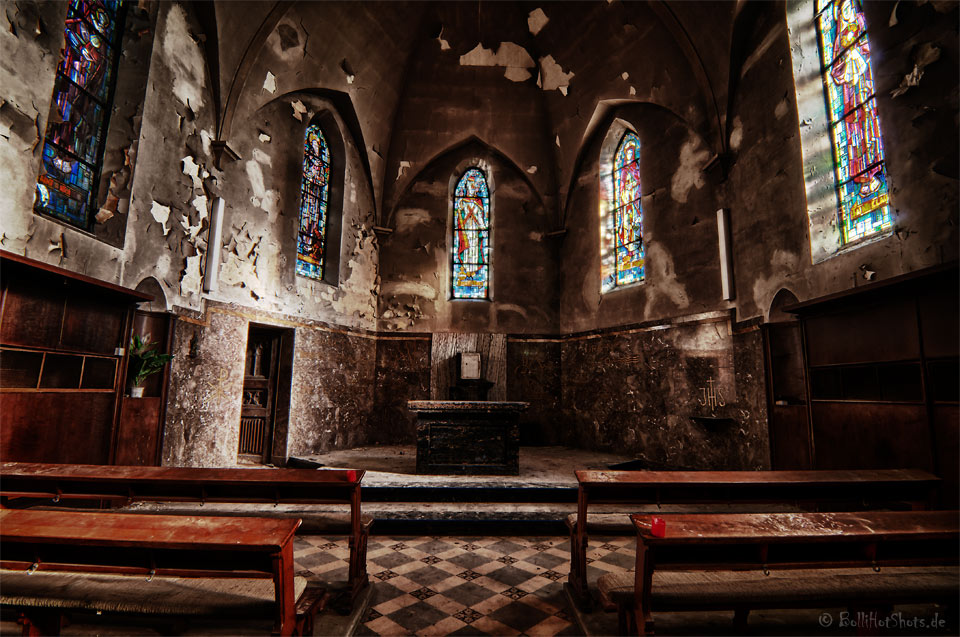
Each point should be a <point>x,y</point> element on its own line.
<point>62,362</point>
<point>883,375</point>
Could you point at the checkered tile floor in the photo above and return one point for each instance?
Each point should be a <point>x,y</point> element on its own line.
<point>464,586</point>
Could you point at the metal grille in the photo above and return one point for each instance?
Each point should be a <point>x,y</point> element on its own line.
<point>252,431</point>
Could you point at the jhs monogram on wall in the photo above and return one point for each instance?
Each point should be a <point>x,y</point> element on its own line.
<point>711,396</point>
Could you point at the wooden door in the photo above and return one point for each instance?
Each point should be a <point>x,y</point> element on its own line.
<point>259,395</point>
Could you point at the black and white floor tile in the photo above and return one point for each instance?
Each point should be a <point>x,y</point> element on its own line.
<point>465,586</point>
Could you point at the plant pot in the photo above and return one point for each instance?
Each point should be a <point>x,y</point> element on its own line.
<point>136,392</point>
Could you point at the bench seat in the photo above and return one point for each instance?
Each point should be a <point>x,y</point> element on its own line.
<point>793,588</point>
<point>174,597</point>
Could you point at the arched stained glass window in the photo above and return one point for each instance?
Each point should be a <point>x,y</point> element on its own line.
<point>855,129</point>
<point>623,256</point>
<point>471,236</point>
<point>314,195</point>
<point>80,112</point>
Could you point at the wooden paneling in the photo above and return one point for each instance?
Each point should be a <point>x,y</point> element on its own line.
<point>940,319</point>
<point>32,310</point>
<point>855,435</point>
<point>58,427</point>
<point>946,428</point>
<point>138,433</point>
<point>93,322</point>
<point>789,438</point>
<point>880,332</point>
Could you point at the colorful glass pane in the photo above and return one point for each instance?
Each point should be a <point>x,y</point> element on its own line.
<point>79,112</point>
<point>855,127</point>
<point>314,193</point>
<point>471,236</point>
<point>627,213</point>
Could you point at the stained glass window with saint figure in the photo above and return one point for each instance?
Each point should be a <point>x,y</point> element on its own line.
<point>855,129</point>
<point>625,265</point>
<point>471,236</point>
<point>80,111</point>
<point>314,195</point>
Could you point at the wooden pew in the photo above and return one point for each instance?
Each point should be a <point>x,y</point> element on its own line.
<point>758,559</point>
<point>851,490</point>
<point>149,546</point>
<point>122,484</point>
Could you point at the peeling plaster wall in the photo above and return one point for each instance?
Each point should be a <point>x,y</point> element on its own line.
<point>30,48</point>
<point>262,221</point>
<point>765,189</point>
<point>415,270</point>
<point>679,201</point>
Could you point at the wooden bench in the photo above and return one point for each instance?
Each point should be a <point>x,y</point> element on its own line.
<point>756,560</point>
<point>153,547</point>
<point>122,484</point>
<point>850,490</point>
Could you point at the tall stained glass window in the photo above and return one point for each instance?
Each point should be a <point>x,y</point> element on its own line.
<point>471,236</point>
<point>314,195</point>
<point>855,129</point>
<point>80,111</point>
<point>623,256</point>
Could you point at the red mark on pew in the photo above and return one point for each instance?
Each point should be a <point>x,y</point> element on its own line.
<point>352,475</point>
<point>658,527</point>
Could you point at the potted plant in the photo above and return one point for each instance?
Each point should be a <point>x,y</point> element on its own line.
<point>144,362</point>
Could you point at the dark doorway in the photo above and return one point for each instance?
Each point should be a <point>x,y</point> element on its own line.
<point>266,394</point>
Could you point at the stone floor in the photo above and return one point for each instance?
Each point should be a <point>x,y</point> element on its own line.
<point>395,466</point>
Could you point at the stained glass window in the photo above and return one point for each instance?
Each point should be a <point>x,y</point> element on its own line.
<point>471,236</point>
<point>80,111</point>
<point>622,261</point>
<point>314,195</point>
<point>855,129</point>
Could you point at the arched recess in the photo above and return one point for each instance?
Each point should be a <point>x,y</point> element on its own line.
<point>151,286</point>
<point>327,124</point>
<point>783,298</point>
<point>604,116</point>
<point>343,105</point>
<point>475,147</point>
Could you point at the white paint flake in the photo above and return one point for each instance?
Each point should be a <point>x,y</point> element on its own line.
<point>736,135</point>
<point>402,169</point>
<point>183,56</point>
<point>298,110</point>
<point>270,83</point>
<point>262,157</point>
<point>625,76</point>
<point>200,205</point>
<point>512,56</point>
<point>532,170</point>
<point>205,138</point>
<point>552,75</point>
<point>161,214</point>
<point>192,170</point>
<point>690,172</point>
<point>536,20</point>
<point>558,141</point>
<point>633,91</point>
<point>444,45</point>
<point>192,278</point>
<point>264,138</point>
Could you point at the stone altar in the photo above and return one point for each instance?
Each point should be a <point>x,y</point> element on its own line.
<point>467,436</point>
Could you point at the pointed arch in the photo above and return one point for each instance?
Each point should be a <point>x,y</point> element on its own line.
<point>621,233</point>
<point>470,247</point>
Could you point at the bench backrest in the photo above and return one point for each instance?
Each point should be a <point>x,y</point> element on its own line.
<point>180,484</point>
<point>850,489</point>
